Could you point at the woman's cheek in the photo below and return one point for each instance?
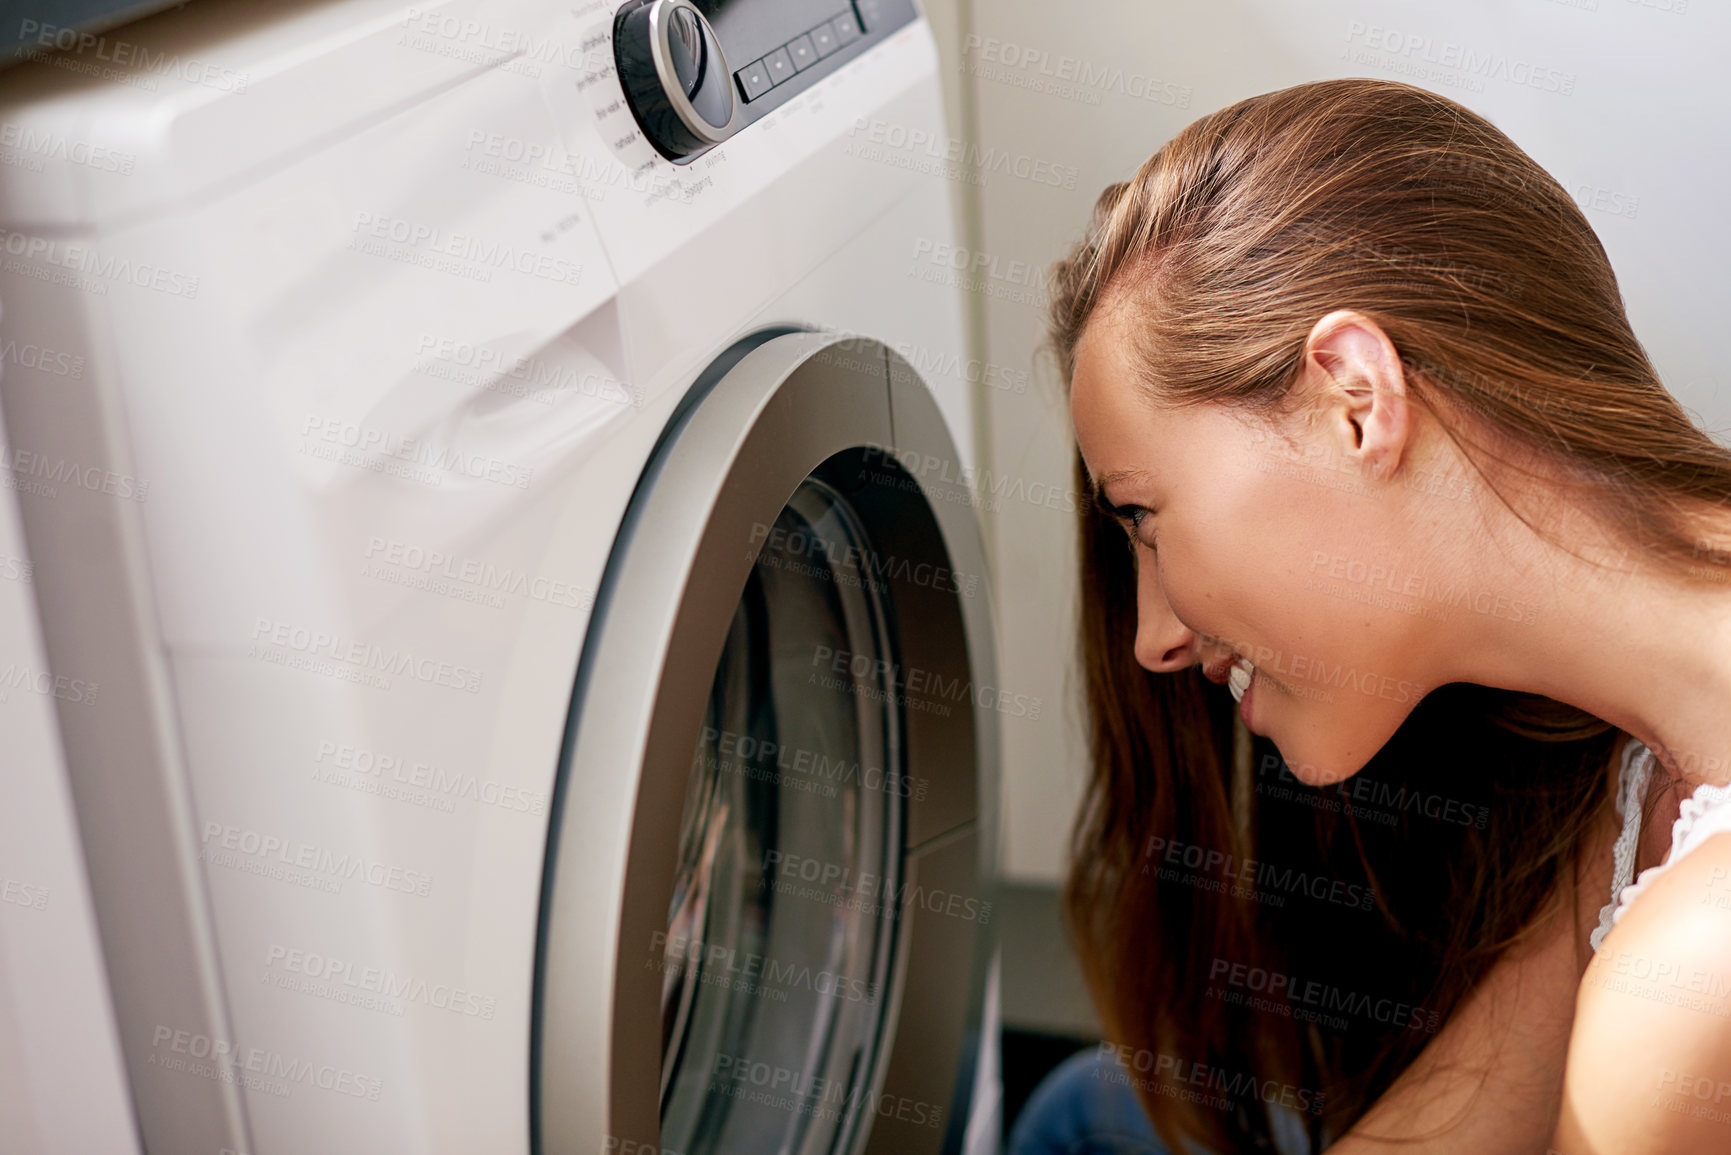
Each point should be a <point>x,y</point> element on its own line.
<point>1202,591</point>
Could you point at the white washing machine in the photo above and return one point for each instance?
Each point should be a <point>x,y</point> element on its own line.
<point>502,493</point>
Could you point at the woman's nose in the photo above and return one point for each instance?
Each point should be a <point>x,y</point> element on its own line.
<point>1164,644</point>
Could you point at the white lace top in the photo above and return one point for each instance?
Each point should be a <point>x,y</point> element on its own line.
<point>1703,814</point>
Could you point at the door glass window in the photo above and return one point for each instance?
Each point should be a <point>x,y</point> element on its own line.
<point>782,929</point>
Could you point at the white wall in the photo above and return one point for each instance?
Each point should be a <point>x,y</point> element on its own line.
<point>1624,101</point>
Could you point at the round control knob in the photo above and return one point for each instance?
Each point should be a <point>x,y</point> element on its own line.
<point>675,77</point>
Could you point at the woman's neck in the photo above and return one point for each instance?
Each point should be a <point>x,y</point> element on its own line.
<point>1646,651</point>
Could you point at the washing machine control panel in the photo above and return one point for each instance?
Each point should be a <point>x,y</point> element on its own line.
<point>697,71</point>
<point>675,76</point>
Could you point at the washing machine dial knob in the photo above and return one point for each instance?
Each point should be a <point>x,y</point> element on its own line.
<point>675,77</point>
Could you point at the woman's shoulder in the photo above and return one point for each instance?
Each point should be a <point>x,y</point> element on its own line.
<point>1649,1064</point>
<point>1679,909</point>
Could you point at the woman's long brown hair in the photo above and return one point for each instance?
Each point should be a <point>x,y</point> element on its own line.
<point>1230,243</point>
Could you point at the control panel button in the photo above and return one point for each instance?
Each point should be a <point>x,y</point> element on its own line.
<point>778,66</point>
<point>754,80</point>
<point>846,29</point>
<point>823,40</point>
<point>801,52</point>
<point>675,76</point>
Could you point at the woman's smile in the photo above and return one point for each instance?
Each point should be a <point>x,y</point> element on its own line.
<point>1241,679</point>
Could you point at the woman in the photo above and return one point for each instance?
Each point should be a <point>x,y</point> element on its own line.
<point>1354,375</point>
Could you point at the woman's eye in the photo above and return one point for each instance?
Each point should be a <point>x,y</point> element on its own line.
<point>1133,516</point>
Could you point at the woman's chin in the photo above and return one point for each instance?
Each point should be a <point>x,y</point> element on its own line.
<point>1319,770</point>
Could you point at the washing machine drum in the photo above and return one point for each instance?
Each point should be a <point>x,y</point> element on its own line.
<point>765,927</point>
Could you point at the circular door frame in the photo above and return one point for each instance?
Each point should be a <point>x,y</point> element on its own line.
<point>779,407</point>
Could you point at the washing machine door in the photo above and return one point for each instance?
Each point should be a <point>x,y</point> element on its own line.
<point>766,921</point>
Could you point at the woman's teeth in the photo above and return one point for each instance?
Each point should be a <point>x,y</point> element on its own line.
<point>1238,678</point>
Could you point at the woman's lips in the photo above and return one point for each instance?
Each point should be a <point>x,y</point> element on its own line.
<point>1220,673</point>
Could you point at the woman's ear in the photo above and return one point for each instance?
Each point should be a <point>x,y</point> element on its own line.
<point>1354,387</point>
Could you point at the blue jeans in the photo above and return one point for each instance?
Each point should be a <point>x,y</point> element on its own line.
<point>1086,1106</point>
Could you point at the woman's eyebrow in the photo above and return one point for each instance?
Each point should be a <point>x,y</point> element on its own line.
<point>1097,485</point>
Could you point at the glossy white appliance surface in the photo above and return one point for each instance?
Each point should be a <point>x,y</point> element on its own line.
<point>390,306</point>
<point>62,1084</point>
